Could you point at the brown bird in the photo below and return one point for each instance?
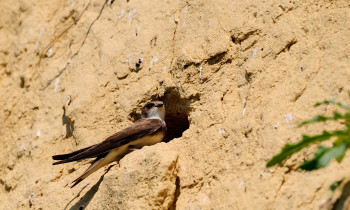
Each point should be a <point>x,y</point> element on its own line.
<point>149,130</point>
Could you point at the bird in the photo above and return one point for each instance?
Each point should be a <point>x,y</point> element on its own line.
<point>148,130</point>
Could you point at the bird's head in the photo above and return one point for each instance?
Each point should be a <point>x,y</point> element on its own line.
<point>153,109</point>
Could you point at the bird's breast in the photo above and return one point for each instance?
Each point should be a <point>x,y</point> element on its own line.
<point>149,140</point>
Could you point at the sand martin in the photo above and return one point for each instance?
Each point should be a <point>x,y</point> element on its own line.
<point>149,130</point>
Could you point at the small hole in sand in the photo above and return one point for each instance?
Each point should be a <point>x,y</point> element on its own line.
<point>177,111</point>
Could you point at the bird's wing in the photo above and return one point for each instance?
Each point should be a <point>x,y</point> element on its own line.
<point>138,130</point>
<point>68,155</point>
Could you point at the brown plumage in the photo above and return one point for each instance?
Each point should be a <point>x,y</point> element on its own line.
<point>147,131</point>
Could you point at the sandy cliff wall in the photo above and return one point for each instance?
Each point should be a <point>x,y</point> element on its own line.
<point>230,74</point>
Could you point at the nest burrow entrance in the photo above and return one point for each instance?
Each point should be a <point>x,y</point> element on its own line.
<point>176,117</point>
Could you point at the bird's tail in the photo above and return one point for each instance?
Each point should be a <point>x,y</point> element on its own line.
<point>92,168</point>
<point>65,158</point>
<point>68,155</point>
<point>99,162</point>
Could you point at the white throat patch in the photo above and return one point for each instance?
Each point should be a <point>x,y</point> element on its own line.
<point>156,113</point>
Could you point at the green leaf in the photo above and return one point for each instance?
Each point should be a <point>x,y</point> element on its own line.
<point>290,149</point>
<point>334,185</point>
<point>311,164</point>
<point>326,102</point>
<point>322,118</point>
<point>342,140</point>
<point>347,125</point>
<point>323,156</point>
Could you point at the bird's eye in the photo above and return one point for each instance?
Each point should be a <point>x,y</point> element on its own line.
<point>148,106</point>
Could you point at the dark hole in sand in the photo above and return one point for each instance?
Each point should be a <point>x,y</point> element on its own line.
<point>176,117</point>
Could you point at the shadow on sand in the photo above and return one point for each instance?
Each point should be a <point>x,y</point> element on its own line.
<point>85,200</point>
